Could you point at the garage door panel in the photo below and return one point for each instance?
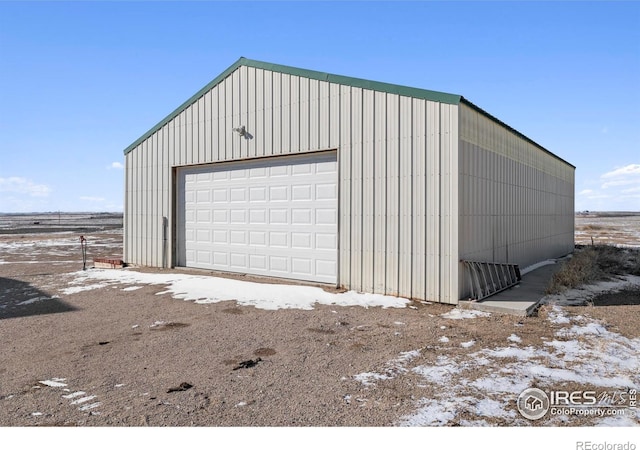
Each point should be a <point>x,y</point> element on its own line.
<point>278,239</point>
<point>326,241</point>
<point>221,237</point>
<point>203,235</point>
<point>258,262</point>
<point>301,170</point>
<point>278,171</point>
<point>203,257</point>
<point>258,172</point>
<point>301,266</point>
<point>238,194</point>
<point>238,174</point>
<point>221,259</point>
<point>301,241</point>
<point>238,261</point>
<point>327,167</point>
<point>238,238</point>
<point>258,238</point>
<point>238,216</point>
<point>279,193</point>
<point>279,216</point>
<point>326,268</point>
<point>275,217</point>
<point>202,177</point>
<point>326,191</point>
<point>301,192</point>
<point>203,216</point>
<point>221,216</point>
<point>279,265</point>
<point>258,217</point>
<point>220,196</point>
<point>326,216</point>
<point>301,216</point>
<point>220,176</point>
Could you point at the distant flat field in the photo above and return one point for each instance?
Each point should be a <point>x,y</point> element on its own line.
<point>603,227</point>
<point>58,222</point>
<point>608,228</point>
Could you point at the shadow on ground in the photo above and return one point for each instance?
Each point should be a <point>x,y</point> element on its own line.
<point>624,297</point>
<point>20,299</point>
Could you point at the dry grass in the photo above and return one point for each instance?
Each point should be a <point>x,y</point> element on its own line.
<point>594,227</point>
<point>594,263</point>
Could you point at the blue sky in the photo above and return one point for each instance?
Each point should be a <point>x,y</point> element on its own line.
<point>80,81</point>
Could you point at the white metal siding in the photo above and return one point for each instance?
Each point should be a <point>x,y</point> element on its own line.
<point>516,200</point>
<point>397,160</point>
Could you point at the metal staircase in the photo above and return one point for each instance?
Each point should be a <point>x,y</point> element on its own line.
<point>488,278</point>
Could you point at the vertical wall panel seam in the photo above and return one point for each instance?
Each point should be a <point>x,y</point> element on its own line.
<point>245,82</point>
<point>318,115</point>
<point>362,170</point>
<point>329,114</point>
<point>411,202</point>
<point>399,181</point>
<point>272,150</point>
<point>351,150</point>
<point>290,113</point>
<point>373,190</point>
<point>241,139</point>
<point>194,133</point>
<point>281,103</point>
<point>264,114</point>
<point>223,119</point>
<point>309,147</point>
<point>440,187</point>
<point>427,210</point>
<point>299,112</point>
<point>339,218</point>
<point>386,180</point>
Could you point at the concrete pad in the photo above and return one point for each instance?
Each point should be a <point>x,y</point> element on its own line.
<point>520,300</point>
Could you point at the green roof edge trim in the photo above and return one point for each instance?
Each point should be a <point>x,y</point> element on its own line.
<point>513,130</point>
<point>406,91</point>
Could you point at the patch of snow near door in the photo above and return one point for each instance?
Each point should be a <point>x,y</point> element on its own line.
<point>209,289</point>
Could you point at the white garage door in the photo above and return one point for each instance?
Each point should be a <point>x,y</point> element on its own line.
<point>274,217</point>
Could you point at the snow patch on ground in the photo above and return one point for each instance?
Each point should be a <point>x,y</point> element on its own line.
<point>514,338</point>
<point>457,314</point>
<point>583,351</point>
<point>391,370</point>
<point>78,399</point>
<point>535,266</point>
<point>208,289</point>
<point>35,300</point>
<point>76,289</point>
<point>54,382</point>
<point>132,288</point>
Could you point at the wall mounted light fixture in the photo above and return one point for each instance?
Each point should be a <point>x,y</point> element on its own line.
<point>240,130</point>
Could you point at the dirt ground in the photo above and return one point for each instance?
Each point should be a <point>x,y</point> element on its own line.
<point>143,359</point>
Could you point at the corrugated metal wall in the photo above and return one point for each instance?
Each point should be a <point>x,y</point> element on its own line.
<point>516,200</point>
<point>398,162</point>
